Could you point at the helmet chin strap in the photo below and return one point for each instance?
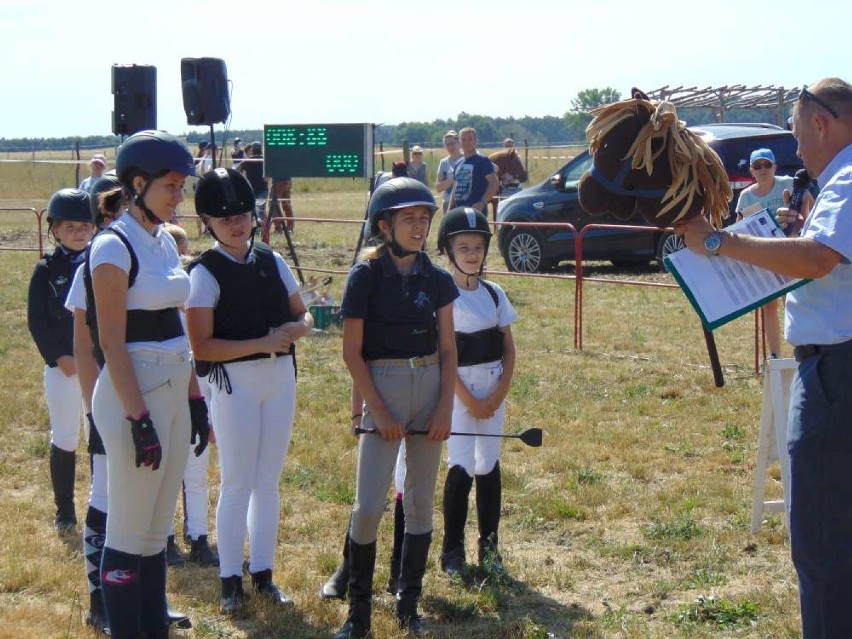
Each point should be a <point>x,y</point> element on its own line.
<point>139,201</point>
<point>396,247</point>
<point>467,275</point>
<point>231,246</point>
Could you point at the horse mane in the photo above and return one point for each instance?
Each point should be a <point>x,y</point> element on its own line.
<point>695,167</point>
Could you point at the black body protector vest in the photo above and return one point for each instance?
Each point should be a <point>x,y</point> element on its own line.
<point>252,299</point>
<point>399,340</point>
<point>482,346</point>
<point>142,325</point>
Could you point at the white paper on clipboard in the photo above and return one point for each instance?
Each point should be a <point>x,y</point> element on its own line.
<point>722,289</point>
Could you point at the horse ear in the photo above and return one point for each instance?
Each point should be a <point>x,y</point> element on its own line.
<point>638,94</point>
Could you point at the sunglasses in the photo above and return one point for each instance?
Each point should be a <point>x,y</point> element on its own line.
<point>761,165</point>
<point>804,94</point>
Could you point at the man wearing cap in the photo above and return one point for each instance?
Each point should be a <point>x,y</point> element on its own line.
<point>416,168</point>
<point>818,323</point>
<point>475,180</point>
<point>97,166</point>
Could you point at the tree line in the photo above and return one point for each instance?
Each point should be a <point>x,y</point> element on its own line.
<point>548,130</point>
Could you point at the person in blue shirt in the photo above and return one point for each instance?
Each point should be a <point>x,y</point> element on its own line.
<point>818,323</point>
<point>399,347</point>
<point>476,182</point>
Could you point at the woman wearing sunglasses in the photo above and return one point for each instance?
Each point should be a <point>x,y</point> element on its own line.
<point>767,192</point>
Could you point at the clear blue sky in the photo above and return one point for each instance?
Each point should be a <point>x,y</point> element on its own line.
<point>388,62</point>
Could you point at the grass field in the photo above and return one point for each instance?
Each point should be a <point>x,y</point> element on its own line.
<point>631,521</point>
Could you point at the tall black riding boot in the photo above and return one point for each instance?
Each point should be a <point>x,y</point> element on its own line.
<point>456,493</point>
<point>155,615</point>
<point>362,563</point>
<point>396,553</point>
<point>62,468</point>
<point>415,552</point>
<point>335,587</point>
<point>488,500</point>
<point>262,583</point>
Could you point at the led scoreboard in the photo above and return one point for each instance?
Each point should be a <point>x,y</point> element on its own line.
<point>318,150</point>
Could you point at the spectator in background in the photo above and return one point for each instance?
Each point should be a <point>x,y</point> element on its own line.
<point>819,325</point>
<point>416,168</point>
<point>767,193</point>
<point>237,153</point>
<point>281,205</point>
<point>204,157</point>
<point>447,167</point>
<point>252,168</point>
<point>97,166</point>
<point>475,180</point>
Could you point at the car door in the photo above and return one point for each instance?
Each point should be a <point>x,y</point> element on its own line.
<point>598,243</point>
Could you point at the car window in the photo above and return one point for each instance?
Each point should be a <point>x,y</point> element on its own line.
<point>736,152</point>
<point>574,170</point>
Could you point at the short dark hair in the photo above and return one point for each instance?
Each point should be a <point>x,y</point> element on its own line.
<point>829,92</point>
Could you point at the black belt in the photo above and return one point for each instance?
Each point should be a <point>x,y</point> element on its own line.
<point>803,352</point>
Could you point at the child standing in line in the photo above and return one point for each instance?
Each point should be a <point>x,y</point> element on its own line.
<point>145,402</point>
<point>107,203</point>
<point>399,348</point>
<point>51,326</point>
<point>483,317</point>
<point>195,492</point>
<point>244,315</point>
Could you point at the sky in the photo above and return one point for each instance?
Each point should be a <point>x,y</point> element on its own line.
<point>330,61</point>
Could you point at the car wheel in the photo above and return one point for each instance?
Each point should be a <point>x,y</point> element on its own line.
<point>524,252</point>
<point>669,243</point>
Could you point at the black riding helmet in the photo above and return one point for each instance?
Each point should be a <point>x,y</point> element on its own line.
<point>223,192</point>
<point>396,193</point>
<point>71,205</point>
<point>462,219</point>
<point>458,221</point>
<point>107,182</point>
<point>151,154</point>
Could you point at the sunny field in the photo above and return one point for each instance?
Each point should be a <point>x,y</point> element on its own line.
<point>632,520</point>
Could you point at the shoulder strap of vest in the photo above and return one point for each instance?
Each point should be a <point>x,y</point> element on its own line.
<point>134,261</point>
<point>492,292</point>
<point>87,267</point>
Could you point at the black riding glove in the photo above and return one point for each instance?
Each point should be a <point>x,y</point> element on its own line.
<point>96,444</point>
<point>200,424</point>
<point>148,449</point>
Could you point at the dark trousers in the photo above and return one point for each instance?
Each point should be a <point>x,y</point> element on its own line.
<point>819,440</point>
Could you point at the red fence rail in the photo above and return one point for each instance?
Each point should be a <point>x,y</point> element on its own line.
<point>39,214</point>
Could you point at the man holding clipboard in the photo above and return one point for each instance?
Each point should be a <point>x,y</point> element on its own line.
<point>818,323</point>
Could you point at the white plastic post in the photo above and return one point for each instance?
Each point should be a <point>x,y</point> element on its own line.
<point>772,441</point>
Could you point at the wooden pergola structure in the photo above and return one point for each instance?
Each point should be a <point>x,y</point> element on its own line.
<point>723,99</point>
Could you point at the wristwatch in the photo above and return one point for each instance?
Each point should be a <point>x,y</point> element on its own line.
<point>713,242</point>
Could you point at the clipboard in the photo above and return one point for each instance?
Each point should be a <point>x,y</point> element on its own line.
<point>722,289</point>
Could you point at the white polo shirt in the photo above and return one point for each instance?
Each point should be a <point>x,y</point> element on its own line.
<point>161,281</point>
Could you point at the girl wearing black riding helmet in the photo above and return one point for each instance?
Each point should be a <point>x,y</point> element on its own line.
<point>146,403</point>
<point>398,346</point>
<point>51,326</point>
<point>482,317</point>
<point>244,315</point>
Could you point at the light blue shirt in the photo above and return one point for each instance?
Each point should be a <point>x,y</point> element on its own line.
<point>820,312</point>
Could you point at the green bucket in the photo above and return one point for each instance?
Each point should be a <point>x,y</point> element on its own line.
<point>325,316</point>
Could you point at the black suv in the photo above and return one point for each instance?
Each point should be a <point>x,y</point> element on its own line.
<point>532,249</point>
